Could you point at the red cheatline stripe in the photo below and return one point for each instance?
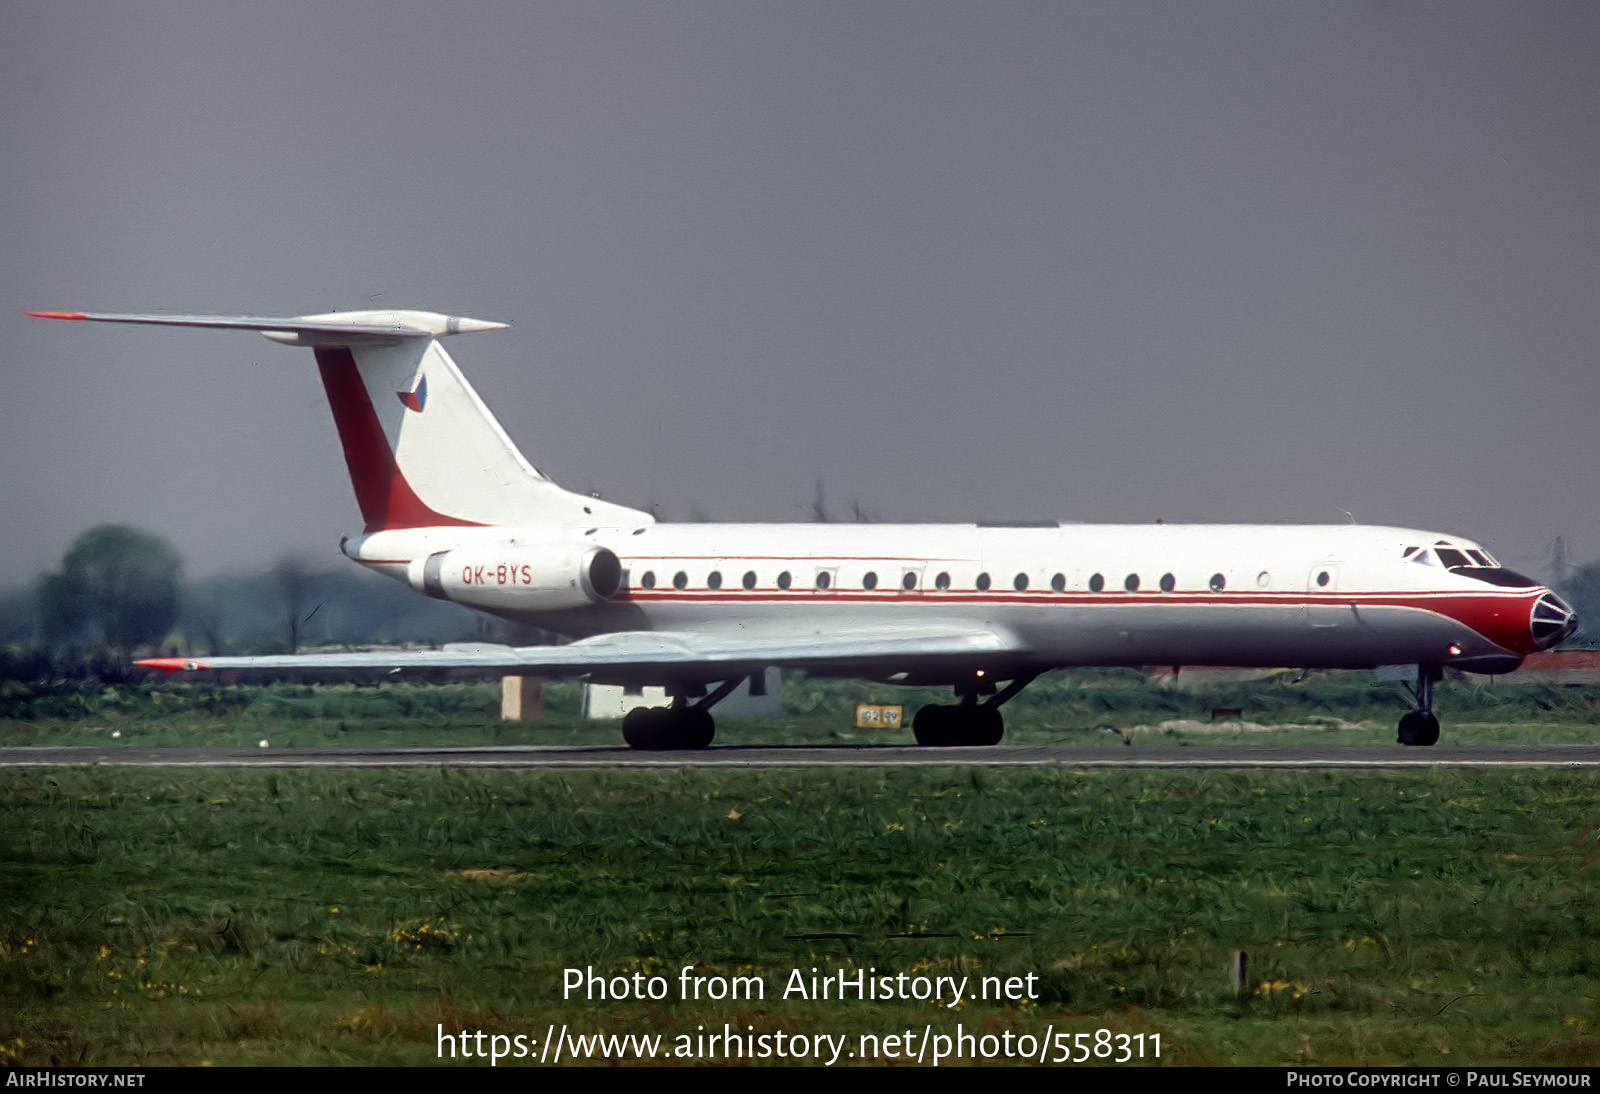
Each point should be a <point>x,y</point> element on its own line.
<point>735,595</point>
<point>734,592</point>
<point>1495,616</point>
<point>734,560</point>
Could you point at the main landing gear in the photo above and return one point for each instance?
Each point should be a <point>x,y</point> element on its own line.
<point>679,726</point>
<point>1420,727</point>
<point>970,722</point>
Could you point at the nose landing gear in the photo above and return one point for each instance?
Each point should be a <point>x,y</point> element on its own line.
<point>1420,727</point>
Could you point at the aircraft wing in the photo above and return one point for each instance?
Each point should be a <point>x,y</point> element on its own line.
<point>645,653</point>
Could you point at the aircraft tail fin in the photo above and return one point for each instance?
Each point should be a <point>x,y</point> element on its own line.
<point>421,447</point>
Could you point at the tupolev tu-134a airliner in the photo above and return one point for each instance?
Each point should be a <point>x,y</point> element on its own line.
<point>453,509</point>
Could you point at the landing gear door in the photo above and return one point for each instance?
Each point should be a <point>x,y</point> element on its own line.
<point>1324,607</point>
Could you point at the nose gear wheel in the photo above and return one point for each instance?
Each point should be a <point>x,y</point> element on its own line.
<point>1420,727</point>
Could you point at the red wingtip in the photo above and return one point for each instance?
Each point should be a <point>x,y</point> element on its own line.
<point>57,315</point>
<point>173,664</point>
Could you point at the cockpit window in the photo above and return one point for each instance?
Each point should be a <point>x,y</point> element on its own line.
<point>1496,575</point>
<point>1460,558</point>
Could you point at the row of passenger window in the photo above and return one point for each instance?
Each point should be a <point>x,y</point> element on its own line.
<point>942,583</point>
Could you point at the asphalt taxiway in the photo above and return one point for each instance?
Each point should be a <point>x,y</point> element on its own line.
<point>1236,757</point>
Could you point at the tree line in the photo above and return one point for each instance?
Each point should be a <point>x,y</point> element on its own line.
<point>120,593</point>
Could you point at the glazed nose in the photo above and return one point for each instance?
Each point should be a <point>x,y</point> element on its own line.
<point>1552,622</point>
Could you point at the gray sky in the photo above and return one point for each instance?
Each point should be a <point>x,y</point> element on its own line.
<point>1102,262</point>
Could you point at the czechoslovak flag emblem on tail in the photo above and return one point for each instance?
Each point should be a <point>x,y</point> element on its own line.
<point>414,400</point>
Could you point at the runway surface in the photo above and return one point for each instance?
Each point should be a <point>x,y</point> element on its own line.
<point>586,756</point>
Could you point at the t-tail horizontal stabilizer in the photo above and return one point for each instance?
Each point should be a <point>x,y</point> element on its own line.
<point>333,329</point>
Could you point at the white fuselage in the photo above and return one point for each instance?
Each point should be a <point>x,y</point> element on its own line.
<point>1343,596</point>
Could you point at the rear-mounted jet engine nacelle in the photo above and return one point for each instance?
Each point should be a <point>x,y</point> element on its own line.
<point>551,578</point>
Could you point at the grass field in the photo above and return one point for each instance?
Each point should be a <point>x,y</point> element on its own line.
<point>1080,708</point>
<point>251,917</point>
<point>241,917</point>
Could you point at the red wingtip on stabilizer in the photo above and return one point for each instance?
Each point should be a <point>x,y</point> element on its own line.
<point>173,664</point>
<point>57,314</point>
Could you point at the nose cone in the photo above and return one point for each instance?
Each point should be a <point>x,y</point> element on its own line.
<point>1552,621</point>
